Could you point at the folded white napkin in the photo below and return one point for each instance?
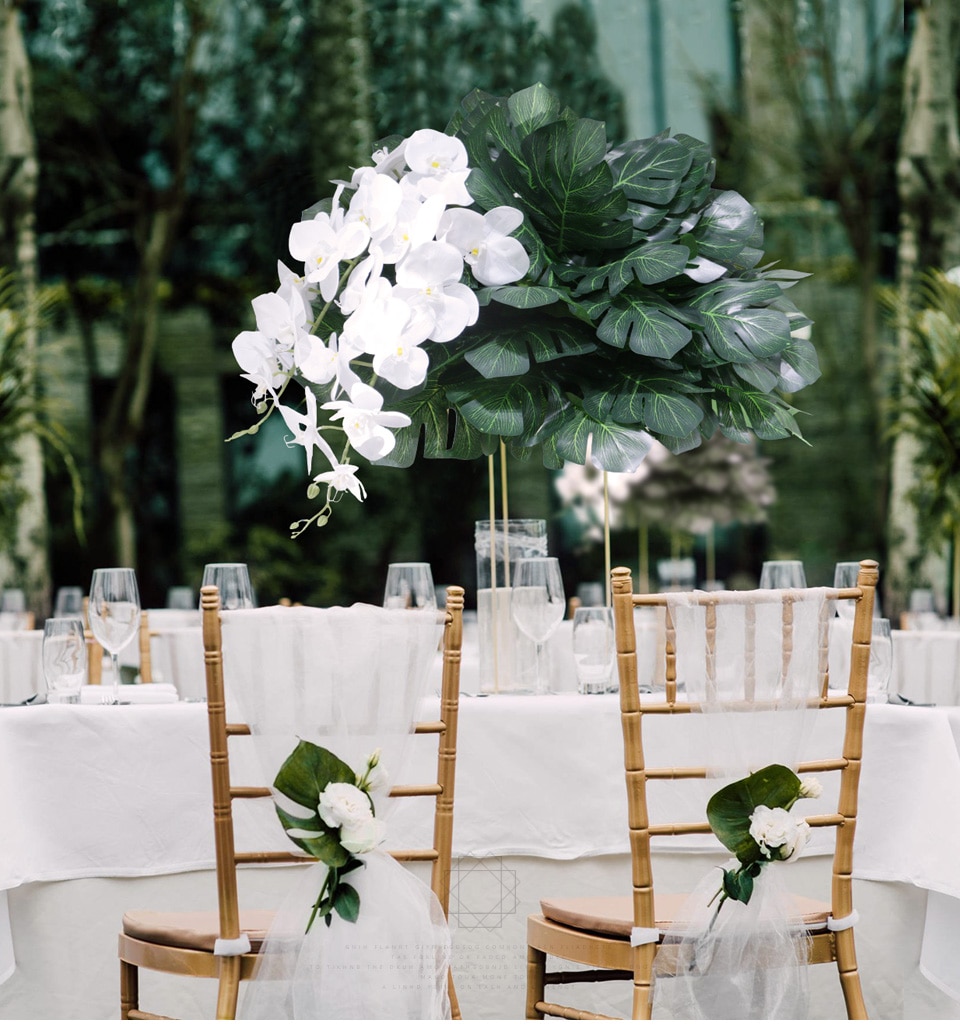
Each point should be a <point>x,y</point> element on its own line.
<point>132,693</point>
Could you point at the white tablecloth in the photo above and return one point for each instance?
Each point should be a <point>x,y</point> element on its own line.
<point>926,666</point>
<point>96,792</point>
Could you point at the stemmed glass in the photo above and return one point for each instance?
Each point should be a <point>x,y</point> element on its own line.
<point>409,585</point>
<point>881,662</point>
<point>782,575</point>
<point>232,579</point>
<point>114,617</point>
<point>64,659</point>
<point>537,603</point>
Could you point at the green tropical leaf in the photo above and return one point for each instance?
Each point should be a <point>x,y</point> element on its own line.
<point>504,356</point>
<point>800,357</point>
<point>647,329</point>
<point>613,447</point>
<point>524,297</point>
<point>738,332</point>
<point>494,406</point>
<point>532,108</point>
<point>649,263</point>
<point>650,171</point>
<point>646,402</point>
<point>728,225</point>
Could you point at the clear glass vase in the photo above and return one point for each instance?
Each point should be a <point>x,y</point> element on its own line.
<point>508,659</point>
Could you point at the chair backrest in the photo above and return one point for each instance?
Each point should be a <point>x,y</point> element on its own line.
<point>636,708</point>
<point>225,792</point>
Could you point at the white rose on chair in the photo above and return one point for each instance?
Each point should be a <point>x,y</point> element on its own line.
<point>363,836</point>
<point>343,804</point>
<point>781,836</point>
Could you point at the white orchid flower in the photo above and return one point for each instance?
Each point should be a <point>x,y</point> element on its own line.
<point>380,321</point>
<point>315,360</point>
<point>282,315</point>
<point>263,363</point>
<point>485,244</point>
<point>322,242</point>
<point>375,203</point>
<point>296,281</point>
<point>428,279</point>
<point>358,282</point>
<point>389,162</point>
<point>343,479</point>
<point>417,222</point>
<point>305,430</point>
<point>438,166</point>
<point>366,425</point>
<point>404,364</point>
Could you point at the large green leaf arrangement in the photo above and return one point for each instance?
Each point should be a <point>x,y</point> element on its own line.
<point>621,300</point>
<point>645,311</point>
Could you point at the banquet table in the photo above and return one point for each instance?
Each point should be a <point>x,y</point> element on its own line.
<point>109,808</point>
<point>926,665</point>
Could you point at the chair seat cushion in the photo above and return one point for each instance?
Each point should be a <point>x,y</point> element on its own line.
<point>197,931</point>
<point>613,917</point>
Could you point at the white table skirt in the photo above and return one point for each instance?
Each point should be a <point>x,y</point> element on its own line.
<point>926,666</point>
<point>94,793</point>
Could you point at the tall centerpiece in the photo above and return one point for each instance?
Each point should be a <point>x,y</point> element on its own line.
<point>521,278</point>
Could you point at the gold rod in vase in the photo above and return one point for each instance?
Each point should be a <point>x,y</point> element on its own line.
<point>505,509</point>
<point>493,572</point>
<point>606,538</point>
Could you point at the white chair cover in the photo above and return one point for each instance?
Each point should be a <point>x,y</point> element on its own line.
<point>749,962</point>
<point>348,679</point>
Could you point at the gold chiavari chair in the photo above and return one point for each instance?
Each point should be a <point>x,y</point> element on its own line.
<point>596,932</point>
<point>183,943</point>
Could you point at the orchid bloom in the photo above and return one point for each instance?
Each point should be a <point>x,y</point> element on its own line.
<point>365,424</point>
<point>343,479</point>
<point>375,203</point>
<point>438,166</point>
<point>485,244</point>
<point>282,316</point>
<point>322,242</point>
<point>305,430</point>
<point>417,222</point>
<point>428,279</point>
<point>263,363</point>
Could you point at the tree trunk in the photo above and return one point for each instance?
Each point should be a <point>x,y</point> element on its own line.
<point>928,177</point>
<point>18,251</point>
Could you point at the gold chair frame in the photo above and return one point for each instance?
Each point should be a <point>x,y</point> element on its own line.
<point>228,921</point>
<point>612,957</point>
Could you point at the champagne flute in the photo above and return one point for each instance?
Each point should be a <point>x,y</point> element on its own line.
<point>537,603</point>
<point>64,658</point>
<point>114,617</point>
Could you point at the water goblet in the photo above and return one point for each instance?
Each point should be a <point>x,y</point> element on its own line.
<point>537,604</point>
<point>69,602</point>
<point>845,574</point>
<point>232,579</point>
<point>881,663</point>
<point>114,617</point>
<point>782,575</point>
<point>593,648</point>
<point>409,585</point>
<point>64,656</point>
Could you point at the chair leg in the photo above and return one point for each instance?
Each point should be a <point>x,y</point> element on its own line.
<point>229,987</point>
<point>850,975</point>
<point>642,981</point>
<point>536,971</point>
<point>452,992</point>
<point>129,988</point>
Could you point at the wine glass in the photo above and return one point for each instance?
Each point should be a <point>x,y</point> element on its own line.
<point>64,658</point>
<point>881,663</point>
<point>782,575</point>
<point>114,617</point>
<point>232,579</point>
<point>593,648</point>
<point>537,603</point>
<point>409,585</point>
<point>845,574</point>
